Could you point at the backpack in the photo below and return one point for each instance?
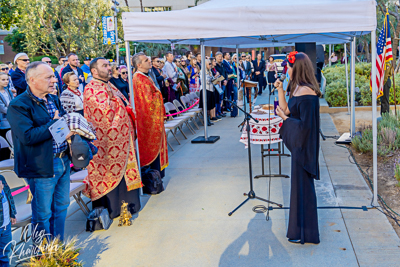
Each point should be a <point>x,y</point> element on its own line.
<point>152,181</point>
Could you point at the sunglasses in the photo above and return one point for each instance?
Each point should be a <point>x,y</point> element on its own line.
<point>4,69</point>
<point>124,72</point>
<point>48,62</point>
<point>157,61</point>
<point>117,68</point>
<point>243,56</point>
<point>64,61</point>
<point>25,60</point>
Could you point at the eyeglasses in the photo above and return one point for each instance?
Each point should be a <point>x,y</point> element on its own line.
<point>48,62</point>
<point>25,59</point>
<point>124,72</point>
<point>4,69</point>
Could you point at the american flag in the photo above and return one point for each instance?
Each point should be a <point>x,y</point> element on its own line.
<point>384,55</point>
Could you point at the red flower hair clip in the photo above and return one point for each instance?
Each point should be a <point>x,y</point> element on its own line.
<point>292,57</point>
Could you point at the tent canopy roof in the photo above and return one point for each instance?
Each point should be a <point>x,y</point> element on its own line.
<point>254,23</point>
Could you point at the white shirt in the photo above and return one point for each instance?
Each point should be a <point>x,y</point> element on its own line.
<point>170,70</point>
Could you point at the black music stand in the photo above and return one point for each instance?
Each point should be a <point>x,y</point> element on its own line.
<point>251,194</point>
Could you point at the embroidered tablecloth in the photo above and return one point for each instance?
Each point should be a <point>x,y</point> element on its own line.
<point>265,131</point>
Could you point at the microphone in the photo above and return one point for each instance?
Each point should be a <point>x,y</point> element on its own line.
<point>281,79</point>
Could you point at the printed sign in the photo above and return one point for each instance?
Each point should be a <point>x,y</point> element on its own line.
<point>108,30</point>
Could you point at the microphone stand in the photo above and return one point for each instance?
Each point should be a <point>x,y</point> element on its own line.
<point>251,194</point>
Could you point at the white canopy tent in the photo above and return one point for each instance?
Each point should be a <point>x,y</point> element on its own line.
<point>261,23</point>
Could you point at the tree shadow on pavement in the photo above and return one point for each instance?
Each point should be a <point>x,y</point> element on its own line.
<point>92,248</point>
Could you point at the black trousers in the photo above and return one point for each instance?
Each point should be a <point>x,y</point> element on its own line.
<point>385,107</point>
<point>4,152</point>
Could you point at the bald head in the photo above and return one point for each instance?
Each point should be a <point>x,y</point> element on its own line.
<point>46,60</point>
<point>40,78</point>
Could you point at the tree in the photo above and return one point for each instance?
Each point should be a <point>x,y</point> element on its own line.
<point>17,41</point>
<point>58,27</point>
<point>9,14</point>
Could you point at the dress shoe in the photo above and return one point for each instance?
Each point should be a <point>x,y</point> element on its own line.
<point>218,117</point>
<point>215,119</point>
<point>295,241</point>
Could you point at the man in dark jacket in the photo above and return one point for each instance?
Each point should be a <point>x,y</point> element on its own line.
<point>18,76</point>
<point>38,158</point>
<point>47,60</point>
<point>221,70</point>
<point>73,63</point>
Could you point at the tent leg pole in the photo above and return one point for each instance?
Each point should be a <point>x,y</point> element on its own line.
<point>374,119</point>
<point>238,74</point>
<point>352,86</point>
<point>347,78</point>
<point>132,100</point>
<point>203,87</point>
<point>330,53</point>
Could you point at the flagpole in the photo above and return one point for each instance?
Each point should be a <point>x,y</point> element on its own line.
<point>374,119</point>
<point>394,91</point>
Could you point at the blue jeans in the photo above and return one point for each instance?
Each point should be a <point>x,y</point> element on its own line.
<point>5,238</point>
<point>51,199</point>
<point>235,93</point>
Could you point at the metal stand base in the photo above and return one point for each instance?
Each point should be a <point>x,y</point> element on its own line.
<point>202,140</point>
<point>281,152</point>
<point>252,195</point>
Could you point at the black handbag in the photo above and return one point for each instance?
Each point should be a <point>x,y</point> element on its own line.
<point>98,219</point>
<point>152,182</point>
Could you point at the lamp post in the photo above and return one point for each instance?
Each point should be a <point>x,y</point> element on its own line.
<point>136,45</point>
<point>116,11</point>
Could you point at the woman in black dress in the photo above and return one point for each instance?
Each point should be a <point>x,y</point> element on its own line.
<point>258,75</point>
<point>300,134</point>
<point>116,79</point>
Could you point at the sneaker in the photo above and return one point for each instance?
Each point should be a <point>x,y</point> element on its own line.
<point>215,119</point>
<point>218,117</point>
<point>222,115</point>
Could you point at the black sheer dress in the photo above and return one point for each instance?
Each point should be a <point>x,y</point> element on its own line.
<point>300,134</point>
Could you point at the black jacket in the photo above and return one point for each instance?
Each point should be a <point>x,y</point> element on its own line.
<point>80,73</point>
<point>122,86</point>
<point>221,69</point>
<point>18,79</point>
<point>247,68</point>
<point>160,79</point>
<point>260,68</point>
<point>33,142</point>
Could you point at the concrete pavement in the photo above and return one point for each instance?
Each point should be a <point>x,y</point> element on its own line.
<point>188,224</point>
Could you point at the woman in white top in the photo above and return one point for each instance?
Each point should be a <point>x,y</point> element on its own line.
<point>72,98</point>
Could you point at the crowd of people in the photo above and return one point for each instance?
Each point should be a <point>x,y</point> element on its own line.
<point>34,96</point>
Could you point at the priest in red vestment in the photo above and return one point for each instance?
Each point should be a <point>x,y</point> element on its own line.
<point>150,115</point>
<point>113,174</point>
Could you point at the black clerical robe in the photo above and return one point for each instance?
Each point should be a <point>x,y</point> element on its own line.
<point>300,134</point>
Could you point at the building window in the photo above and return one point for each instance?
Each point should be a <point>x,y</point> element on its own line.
<point>157,8</point>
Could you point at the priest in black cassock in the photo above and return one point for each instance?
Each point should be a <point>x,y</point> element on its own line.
<point>300,134</point>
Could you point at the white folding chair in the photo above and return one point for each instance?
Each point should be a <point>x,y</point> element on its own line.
<point>24,211</point>
<point>167,131</point>
<point>174,125</point>
<point>184,119</point>
<point>186,100</point>
<point>192,115</point>
<point>10,142</point>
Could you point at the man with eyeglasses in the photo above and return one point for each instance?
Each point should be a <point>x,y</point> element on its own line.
<point>160,76</point>
<point>18,76</point>
<point>63,63</point>
<point>4,68</point>
<point>73,66</point>
<point>58,84</point>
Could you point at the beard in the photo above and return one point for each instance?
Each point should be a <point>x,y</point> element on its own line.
<point>104,75</point>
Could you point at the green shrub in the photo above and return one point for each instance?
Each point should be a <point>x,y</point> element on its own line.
<point>388,136</point>
<point>54,60</point>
